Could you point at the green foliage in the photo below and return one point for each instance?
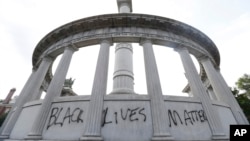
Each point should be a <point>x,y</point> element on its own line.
<point>243,84</point>
<point>242,94</point>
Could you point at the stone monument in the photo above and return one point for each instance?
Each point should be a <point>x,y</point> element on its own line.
<point>124,115</point>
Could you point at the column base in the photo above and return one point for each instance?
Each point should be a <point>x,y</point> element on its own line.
<point>33,137</point>
<point>220,137</point>
<point>2,137</point>
<point>91,138</point>
<point>122,91</point>
<point>166,137</point>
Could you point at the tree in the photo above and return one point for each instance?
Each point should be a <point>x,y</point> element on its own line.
<point>243,84</point>
<point>242,94</point>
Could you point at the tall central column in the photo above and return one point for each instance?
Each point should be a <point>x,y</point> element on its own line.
<point>123,74</point>
<point>123,77</point>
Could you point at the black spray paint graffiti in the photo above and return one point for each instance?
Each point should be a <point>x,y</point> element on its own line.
<point>59,116</point>
<point>189,117</point>
<point>135,114</point>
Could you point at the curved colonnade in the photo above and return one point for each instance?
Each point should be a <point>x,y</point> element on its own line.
<point>105,30</point>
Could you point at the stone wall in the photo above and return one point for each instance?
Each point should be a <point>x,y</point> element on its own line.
<point>123,118</point>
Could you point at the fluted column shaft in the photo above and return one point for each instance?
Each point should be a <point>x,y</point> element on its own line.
<point>158,108</point>
<point>54,90</point>
<point>31,88</point>
<point>222,90</point>
<point>35,91</point>
<point>199,91</point>
<point>123,73</point>
<point>5,129</point>
<point>92,129</point>
<point>123,77</point>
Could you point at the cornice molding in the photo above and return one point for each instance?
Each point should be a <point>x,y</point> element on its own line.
<point>126,20</point>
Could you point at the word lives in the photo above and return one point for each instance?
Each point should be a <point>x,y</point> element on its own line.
<point>124,114</point>
<point>186,117</point>
<point>60,116</point>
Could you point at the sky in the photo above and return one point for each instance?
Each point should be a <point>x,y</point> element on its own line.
<point>23,23</point>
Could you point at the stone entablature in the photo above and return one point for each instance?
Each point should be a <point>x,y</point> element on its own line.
<point>126,28</point>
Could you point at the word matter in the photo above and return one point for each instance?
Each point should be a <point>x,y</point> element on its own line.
<point>186,117</point>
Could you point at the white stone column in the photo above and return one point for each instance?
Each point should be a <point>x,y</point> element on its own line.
<point>92,129</point>
<point>54,90</point>
<point>211,93</point>
<point>31,88</point>
<point>123,78</point>
<point>7,125</point>
<point>199,91</point>
<point>158,107</point>
<point>36,86</point>
<point>38,95</point>
<point>222,90</point>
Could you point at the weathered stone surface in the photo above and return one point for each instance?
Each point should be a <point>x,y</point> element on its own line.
<point>122,118</point>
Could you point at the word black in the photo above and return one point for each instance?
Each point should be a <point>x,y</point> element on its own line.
<point>66,116</point>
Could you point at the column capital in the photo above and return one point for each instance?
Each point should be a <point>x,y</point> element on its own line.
<point>48,58</point>
<point>124,45</point>
<point>107,41</point>
<point>145,40</point>
<point>72,47</point>
<point>203,58</point>
<point>180,48</point>
<point>34,68</point>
